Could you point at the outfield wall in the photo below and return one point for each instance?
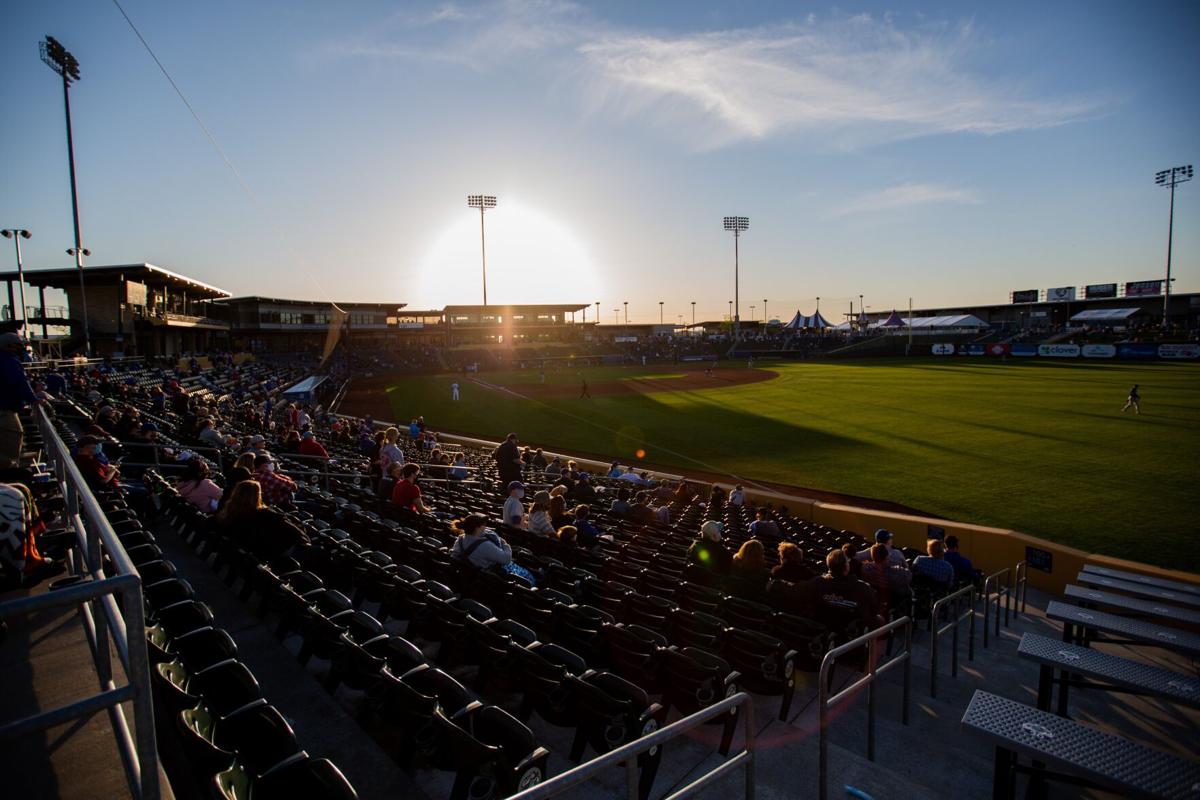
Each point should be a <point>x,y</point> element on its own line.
<point>1051,566</point>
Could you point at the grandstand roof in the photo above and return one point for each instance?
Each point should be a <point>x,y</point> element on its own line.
<point>509,308</point>
<point>952,321</point>
<point>1105,314</point>
<point>144,273</point>
<point>311,303</point>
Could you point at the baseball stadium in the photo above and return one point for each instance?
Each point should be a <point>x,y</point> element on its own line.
<point>410,545</point>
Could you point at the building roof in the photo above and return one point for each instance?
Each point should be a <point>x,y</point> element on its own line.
<point>148,274</point>
<point>312,303</point>
<point>1105,314</point>
<point>509,308</point>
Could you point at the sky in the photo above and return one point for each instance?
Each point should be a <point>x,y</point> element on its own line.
<point>945,152</point>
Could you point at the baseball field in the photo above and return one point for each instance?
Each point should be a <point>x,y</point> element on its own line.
<point>1040,447</point>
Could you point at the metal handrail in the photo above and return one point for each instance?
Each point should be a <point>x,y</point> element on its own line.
<point>1002,590</point>
<point>825,702</point>
<point>628,753</point>
<point>1021,581</point>
<point>967,592</point>
<point>120,627</point>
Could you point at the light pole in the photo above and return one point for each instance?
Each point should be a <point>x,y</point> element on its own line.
<point>660,312</point>
<point>1171,177</point>
<point>752,307</point>
<point>693,312</point>
<point>861,311</point>
<point>730,315</point>
<point>59,59</point>
<point>626,304</point>
<point>738,225</point>
<point>616,316</point>
<point>764,311</point>
<point>17,234</point>
<point>482,202</point>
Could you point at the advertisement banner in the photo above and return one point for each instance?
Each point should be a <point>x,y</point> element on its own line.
<point>1025,296</point>
<point>1059,350</point>
<point>1021,349</point>
<point>997,349</point>
<point>1099,351</point>
<point>943,349</point>
<point>1100,290</point>
<point>1179,351</point>
<point>1143,288</point>
<point>1063,294</point>
<point>1137,350</point>
<point>976,349</point>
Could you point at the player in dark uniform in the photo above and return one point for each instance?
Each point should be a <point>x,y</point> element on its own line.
<point>1134,400</point>
<point>584,391</point>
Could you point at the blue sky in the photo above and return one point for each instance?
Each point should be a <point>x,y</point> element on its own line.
<point>951,152</point>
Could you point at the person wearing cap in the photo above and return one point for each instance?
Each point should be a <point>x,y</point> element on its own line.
<point>15,394</point>
<point>508,460</point>
<point>707,551</point>
<point>309,446</point>
<point>895,556</point>
<point>513,512</point>
<point>98,474</point>
<point>276,489</point>
<point>540,523</point>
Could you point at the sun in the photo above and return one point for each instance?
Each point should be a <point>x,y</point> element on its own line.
<point>531,258</point>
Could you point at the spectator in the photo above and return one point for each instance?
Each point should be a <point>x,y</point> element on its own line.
<point>309,446</point>
<point>390,453</point>
<point>707,551</point>
<point>791,565</point>
<point>890,581</point>
<point>15,393</point>
<point>883,536</point>
<point>478,545</point>
<point>621,505</point>
<point>933,567</point>
<point>748,570</point>
<point>558,511</point>
<point>641,510</point>
<point>630,474</point>
<point>98,474</point>
<point>508,460</point>
<point>406,493</point>
<point>210,435</point>
<point>588,533</point>
<point>538,462</point>
<point>514,512</point>
<point>539,515</point>
<point>964,571</point>
<point>763,526</point>
<point>583,491</point>
<point>843,599</point>
<point>737,495</point>
<point>264,531</point>
<point>855,563</point>
<point>197,488</point>
<point>614,471</point>
<point>554,467</point>
<point>716,500</point>
<point>458,470</point>
<point>276,489</point>
<point>568,537</point>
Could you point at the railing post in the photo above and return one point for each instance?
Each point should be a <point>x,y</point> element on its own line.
<point>871,699</point>
<point>748,745</point>
<point>631,778</point>
<point>143,700</point>
<point>907,695</point>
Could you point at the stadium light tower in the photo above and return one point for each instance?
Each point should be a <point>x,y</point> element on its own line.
<point>597,312</point>
<point>752,309</point>
<point>693,312</point>
<point>1171,177</point>
<point>738,225</point>
<point>764,310</point>
<point>17,234</point>
<point>660,312</point>
<point>616,316</point>
<point>626,304</point>
<point>482,202</point>
<point>59,59</point>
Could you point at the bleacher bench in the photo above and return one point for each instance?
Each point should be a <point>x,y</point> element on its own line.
<point>1131,606</point>
<point>1149,580</point>
<point>1077,753</point>
<point>1138,589</point>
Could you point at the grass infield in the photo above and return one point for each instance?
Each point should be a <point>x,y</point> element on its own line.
<point>1037,446</point>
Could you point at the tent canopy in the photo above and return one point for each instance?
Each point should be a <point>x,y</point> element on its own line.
<point>952,321</point>
<point>1105,315</point>
<point>893,321</point>
<point>801,321</point>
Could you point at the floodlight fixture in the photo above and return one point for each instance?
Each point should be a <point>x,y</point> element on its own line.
<point>482,202</point>
<point>738,225</point>
<point>1171,178</point>
<point>59,59</point>
<point>17,234</point>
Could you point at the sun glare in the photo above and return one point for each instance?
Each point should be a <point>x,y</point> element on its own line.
<point>531,258</point>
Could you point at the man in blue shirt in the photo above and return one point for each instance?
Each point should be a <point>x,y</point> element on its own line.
<point>15,393</point>
<point>964,570</point>
<point>934,566</point>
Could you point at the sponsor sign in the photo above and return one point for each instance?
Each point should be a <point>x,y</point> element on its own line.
<point>135,293</point>
<point>1143,288</point>
<point>410,325</point>
<point>1137,350</point>
<point>1025,296</point>
<point>943,349</point>
<point>1179,351</point>
<point>1098,290</point>
<point>1063,294</point>
<point>1099,351</point>
<point>625,339</point>
<point>975,349</point>
<point>1059,350</point>
<point>997,349</point>
<point>1021,349</point>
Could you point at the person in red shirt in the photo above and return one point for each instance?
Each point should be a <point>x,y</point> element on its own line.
<point>98,474</point>
<point>309,446</point>
<point>276,489</point>
<point>406,493</point>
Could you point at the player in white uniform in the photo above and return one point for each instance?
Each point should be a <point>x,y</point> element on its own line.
<point>454,391</point>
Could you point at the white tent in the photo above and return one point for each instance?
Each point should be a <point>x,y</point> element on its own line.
<point>1105,315</point>
<point>952,321</point>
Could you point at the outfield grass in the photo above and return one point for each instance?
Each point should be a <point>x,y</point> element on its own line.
<point>1040,447</point>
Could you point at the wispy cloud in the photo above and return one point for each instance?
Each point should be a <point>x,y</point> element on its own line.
<point>905,195</point>
<point>852,80</point>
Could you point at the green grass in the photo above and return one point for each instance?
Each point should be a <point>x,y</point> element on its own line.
<point>1040,447</point>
